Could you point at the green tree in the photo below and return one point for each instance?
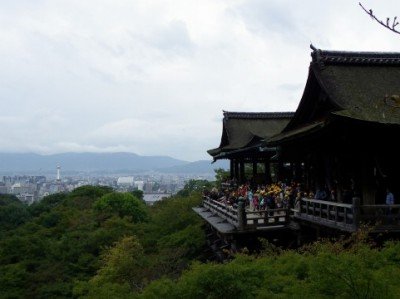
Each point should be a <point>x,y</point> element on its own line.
<point>91,191</point>
<point>125,262</point>
<point>47,203</point>
<point>85,196</point>
<point>137,193</point>
<point>221,175</point>
<point>59,244</point>
<point>12,212</point>
<point>123,271</point>
<point>194,186</point>
<point>122,204</point>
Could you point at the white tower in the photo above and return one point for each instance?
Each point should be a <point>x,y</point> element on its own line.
<point>58,173</point>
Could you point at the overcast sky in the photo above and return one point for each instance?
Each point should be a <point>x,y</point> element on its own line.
<point>152,77</point>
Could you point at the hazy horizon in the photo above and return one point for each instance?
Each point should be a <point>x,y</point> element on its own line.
<point>102,152</point>
<point>103,163</point>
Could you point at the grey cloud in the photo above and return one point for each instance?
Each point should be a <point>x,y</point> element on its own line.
<point>72,71</point>
<point>117,51</point>
<point>102,76</point>
<point>12,7</point>
<point>268,17</point>
<point>171,39</point>
<point>174,37</point>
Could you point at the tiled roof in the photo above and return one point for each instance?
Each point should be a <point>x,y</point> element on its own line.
<point>356,85</point>
<point>243,129</point>
<point>355,58</point>
<point>258,115</point>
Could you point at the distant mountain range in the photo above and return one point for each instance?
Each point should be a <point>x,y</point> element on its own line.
<point>101,162</point>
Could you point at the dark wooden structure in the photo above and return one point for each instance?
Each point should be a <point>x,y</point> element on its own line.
<point>344,130</point>
<point>341,139</point>
<point>243,143</point>
<point>231,228</point>
<point>228,219</point>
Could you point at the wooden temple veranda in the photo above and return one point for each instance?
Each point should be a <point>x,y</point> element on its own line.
<point>342,138</point>
<point>243,142</point>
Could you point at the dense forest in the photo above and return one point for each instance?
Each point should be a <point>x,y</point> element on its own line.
<point>97,243</point>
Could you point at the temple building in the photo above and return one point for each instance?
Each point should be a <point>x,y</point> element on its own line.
<point>338,151</point>
<point>243,142</point>
<point>345,127</point>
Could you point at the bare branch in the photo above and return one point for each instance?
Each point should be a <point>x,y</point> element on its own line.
<point>395,23</point>
<point>387,25</point>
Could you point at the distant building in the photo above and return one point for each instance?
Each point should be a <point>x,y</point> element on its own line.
<point>148,187</point>
<point>58,173</point>
<point>139,185</point>
<point>125,181</point>
<point>19,188</point>
<point>3,188</point>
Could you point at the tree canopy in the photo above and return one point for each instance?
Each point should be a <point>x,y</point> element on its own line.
<point>91,242</point>
<point>123,205</point>
<point>96,243</point>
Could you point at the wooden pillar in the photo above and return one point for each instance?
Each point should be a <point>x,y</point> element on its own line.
<point>237,170</point>
<point>254,169</point>
<point>242,220</point>
<point>232,169</point>
<point>292,171</point>
<point>307,174</point>
<point>368,182</point>
<point>356,212</point>
<point>267,170</point>
<point>241,169</point>
<point>298,171</point>
<point>280,174</point>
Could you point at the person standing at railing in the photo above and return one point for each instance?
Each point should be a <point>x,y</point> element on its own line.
<point>249,196</point>
<point>270,200</point>
<point>390,203</point>
<point>256,202</point>
<point>262,201</point>
<point>389,197</point>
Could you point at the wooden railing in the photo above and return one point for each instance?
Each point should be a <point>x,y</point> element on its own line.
<point>244,219</point>
<point>267,218</point>
<point>327,213</point>
<point>225,211</point>
<point>380,214</point>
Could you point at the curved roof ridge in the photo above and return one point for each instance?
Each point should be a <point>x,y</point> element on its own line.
<point>257,115</point>
<point>354,57</point>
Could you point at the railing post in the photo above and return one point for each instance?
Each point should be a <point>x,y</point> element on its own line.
<point>356,211</point>
<point>320,210</point>
<point>206,202</point>
<point>336,214</point>
<point>241,210</point>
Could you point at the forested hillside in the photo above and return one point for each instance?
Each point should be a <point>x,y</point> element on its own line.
<point>96,243</point>
<point>93,242</point>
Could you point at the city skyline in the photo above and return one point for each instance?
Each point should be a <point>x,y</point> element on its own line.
<point>152,77</point>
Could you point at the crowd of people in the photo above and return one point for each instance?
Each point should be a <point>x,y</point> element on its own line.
<point>278,195</point>
<point>262,197</point>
